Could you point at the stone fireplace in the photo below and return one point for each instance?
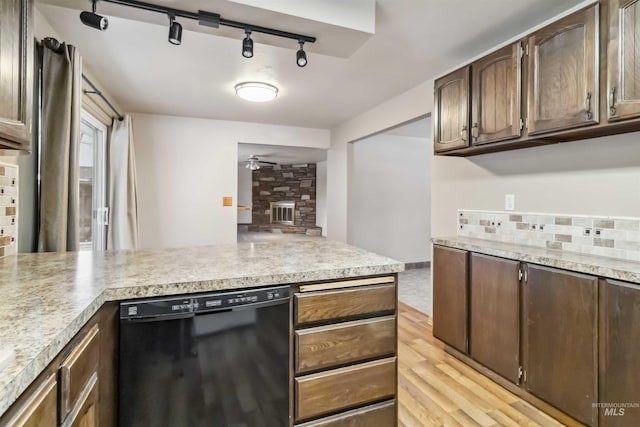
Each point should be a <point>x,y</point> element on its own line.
<point>284,199</point>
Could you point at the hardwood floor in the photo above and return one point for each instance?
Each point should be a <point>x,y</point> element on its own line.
<point>435,389</point>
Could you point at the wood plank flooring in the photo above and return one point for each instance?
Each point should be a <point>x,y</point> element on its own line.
<point>435,389</point>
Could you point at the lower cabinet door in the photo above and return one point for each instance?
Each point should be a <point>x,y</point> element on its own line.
<point>619,353</point>
<point>39,410</point>
<point>379,415</point>
<point>450,302</point>
<point>341,389</point>
<point>560,340</point>
<point>494,335</point>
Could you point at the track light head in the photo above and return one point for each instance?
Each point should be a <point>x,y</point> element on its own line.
<point>92,19</point>
<point>247,45</point>
<point>301,56</point>
<point>175,32</point>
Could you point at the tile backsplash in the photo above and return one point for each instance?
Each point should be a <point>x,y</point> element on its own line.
<point>615,237</point>
<point>8,209</point>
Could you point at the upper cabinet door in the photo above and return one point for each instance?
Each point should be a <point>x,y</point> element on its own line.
<point>451,115</point>
<point>16,73</point>
<point>495,108</point>
<point>624,60</point>
<point>563,74</point>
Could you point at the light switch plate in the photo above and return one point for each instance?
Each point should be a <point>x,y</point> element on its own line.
<point>509,202</point>
<point>227,201</point>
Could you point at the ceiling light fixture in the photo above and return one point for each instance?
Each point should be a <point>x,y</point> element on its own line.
<point>92,19</point>
<point>175,31</point>
<point>256,91</point>
<point>301,56</point>
<point>205,18</point>
<point>247,45</point>
<point>253,165</point>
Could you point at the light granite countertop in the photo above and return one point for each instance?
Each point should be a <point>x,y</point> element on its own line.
<point>45,299</point>
<point>612,268</point>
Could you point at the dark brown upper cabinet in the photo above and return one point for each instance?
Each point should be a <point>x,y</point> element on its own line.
<point>450,296</point>
<point>494,327</point>
<point>563,74</point>
<point>560,340</point>
<point>619,352</point>
<point>496,96</point>
<point>451,115</point>
<point>624,60</point>
<point>16,74</point>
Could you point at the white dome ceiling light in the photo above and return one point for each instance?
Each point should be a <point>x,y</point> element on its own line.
<point>256,91</point>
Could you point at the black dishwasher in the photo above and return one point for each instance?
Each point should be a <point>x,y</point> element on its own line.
<point>218,359</point>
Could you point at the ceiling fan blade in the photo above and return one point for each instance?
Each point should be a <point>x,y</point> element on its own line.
<point>267,163</point>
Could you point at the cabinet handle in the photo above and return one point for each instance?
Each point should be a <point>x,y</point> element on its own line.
<point>612,102</point>
<point>463,133</point>
<point>475,131</point>
<point>588,106</point>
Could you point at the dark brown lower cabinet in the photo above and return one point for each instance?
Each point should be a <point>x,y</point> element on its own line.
<point>619,353</point>
<point>450,302</point>
<point>494,329</point>
<point>560,340</point>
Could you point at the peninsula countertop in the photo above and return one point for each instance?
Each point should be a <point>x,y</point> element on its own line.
<point>612,268</point>
<point>45,299</point>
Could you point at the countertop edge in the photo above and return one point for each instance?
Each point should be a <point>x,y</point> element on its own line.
<point>550,258</point>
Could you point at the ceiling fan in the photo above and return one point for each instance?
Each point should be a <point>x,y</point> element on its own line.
<point>254,163</point>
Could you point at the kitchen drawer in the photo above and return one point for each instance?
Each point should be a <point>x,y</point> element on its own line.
<point>77,369</point>
<point>38,410</point>
<point>344,388</point>
<point>379,415</point>
<point>333,345</point>
<point>344,303</point>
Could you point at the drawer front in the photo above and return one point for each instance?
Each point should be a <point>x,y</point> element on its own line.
<point>39,410</point>
<point>344,303</point>
<point>77,369</point>
<point>344,388</point>
<point>379,415</point>
<point>329,346</point>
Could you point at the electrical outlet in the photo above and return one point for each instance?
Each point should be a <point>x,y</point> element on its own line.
<point>509,202</point>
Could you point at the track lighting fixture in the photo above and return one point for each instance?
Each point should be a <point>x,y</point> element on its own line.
<point>175,31</point>
<point>247,45</point>
<point>301,56</point>
<point>208,19</point>
<point>92,19</point>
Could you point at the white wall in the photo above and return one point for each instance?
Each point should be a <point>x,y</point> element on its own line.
<point>245,193</point>
<point>184,168</point>
<point>389,196</point>
<point>405,107</point>
<point>598,176</point>
<point>321,196</point>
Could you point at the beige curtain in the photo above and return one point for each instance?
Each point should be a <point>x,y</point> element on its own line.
<point>123,196</point>
<point>59,184</point>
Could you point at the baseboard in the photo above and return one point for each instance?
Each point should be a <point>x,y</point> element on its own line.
<point>414,265</point>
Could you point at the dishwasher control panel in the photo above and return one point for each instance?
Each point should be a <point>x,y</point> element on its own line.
<point>193,304</point>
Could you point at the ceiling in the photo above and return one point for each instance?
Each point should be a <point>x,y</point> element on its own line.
<point>280,154</point>
<point>414,40</point>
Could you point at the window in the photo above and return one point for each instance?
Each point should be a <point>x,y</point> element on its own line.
<point>94,214</point>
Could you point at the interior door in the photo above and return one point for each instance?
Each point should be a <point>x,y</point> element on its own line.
<point>563,74</point>
<point>494,330</point>
<point>560,350</point>
<point>451,115</point>
<point>624,60</point>
<point>619,352</point>
<point>496,96</point>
